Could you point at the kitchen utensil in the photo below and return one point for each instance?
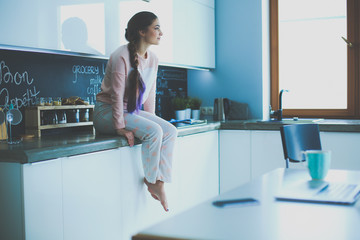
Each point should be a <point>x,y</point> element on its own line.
<point>13,117</point>
<point>221,109</point>
<point>238,111</point>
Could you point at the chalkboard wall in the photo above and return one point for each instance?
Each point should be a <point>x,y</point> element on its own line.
<point>27,73</point>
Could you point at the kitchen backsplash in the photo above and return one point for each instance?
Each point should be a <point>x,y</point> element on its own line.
<point>171,82</point>
<point>27,74</point>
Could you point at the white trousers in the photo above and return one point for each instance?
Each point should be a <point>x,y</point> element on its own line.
<point>157,135</point>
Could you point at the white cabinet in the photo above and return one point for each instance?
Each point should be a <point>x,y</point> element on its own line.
<point>196,168</point>
<point>247,154</point>
<point>266,152</point>
<point>195,179</point>
<point>11,201</point>
<point>194,33</point>
<point>139,209</point>
<point>188,28</point>
<point>92,196</point>
<point>43,200</point>
<point>102,195</point>
<point>345,150</point>
<point>235,156</point>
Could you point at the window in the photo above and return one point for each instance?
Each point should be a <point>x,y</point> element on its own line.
<point>311,59</point>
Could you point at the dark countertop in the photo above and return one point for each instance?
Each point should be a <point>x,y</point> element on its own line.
<point>51,147</point>
<point>325,125</point>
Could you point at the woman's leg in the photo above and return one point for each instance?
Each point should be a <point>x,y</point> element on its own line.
<point>150,133</point>
<point>167,145</point>
<point>158,137</point>
<point>103,119</point>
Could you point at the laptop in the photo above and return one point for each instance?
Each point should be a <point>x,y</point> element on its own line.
<point>320,192</point>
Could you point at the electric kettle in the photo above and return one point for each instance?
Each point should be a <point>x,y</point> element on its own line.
<point>221,109</point>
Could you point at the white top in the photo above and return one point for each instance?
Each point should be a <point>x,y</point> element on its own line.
<point>115,81</point>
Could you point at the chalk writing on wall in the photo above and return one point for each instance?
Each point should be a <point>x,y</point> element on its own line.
<point>7,79</point>
<point>95,75</point>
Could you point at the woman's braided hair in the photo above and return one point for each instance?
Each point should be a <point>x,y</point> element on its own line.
<point>139,22</point>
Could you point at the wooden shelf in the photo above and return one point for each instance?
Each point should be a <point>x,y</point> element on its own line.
<point>65,125</point>
<point>33,119</point>
<point>62,107</point>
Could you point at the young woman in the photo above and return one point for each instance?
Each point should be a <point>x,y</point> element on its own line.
<point>129,83</point>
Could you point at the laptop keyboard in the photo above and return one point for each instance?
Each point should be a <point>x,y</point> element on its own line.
<point>336,190</point>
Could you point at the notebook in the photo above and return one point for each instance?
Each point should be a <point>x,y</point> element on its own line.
<point>320,191</point>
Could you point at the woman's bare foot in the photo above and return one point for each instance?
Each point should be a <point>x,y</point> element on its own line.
<point>157,191</point>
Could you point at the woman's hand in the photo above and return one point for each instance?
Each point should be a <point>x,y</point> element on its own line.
<point>128,134</point>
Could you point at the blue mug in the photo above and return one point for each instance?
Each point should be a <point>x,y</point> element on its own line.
<point>318,162</point>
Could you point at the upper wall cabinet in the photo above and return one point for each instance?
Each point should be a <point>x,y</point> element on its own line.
<point>194,33</point>
<point>98,27</point>
<point>188,28</point>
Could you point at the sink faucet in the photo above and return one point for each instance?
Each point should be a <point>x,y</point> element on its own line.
<point>278,113</point>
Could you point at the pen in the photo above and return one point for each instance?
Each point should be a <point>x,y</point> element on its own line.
<point>223,203</point>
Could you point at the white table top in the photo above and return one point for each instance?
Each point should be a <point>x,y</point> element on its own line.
<point>271,219</point>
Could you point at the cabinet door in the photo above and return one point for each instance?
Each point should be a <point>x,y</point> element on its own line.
<point>43,200</point>
<point>194,33</point>
<point>194,180</point>
<point>235,158</point>
<point>188,28</point>
<point>139,209</point>
<point>344,148</point>
<point>91,196</point>
<point>266,152</point>
<point>196,168</point>
<point>11,201</point>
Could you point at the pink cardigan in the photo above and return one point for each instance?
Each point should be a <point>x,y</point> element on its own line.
<point>113,87</point>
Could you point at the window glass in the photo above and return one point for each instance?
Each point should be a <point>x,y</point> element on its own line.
<point>312,54</point>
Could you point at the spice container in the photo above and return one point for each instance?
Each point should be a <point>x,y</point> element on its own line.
<point>40,101</point>
<point>49,101</point>
<point>57,101</point>
<point>84,115</point>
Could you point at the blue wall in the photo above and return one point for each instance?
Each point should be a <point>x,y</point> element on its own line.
<point>240,48</point>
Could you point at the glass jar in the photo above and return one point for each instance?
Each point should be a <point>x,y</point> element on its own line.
<point>48,101</point>
<point>40,101</point>
<point>57,101</point>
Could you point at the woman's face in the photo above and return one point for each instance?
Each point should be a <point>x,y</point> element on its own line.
<point>153,33</point>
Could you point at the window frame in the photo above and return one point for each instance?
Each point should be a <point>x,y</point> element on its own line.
<point>353,88</point>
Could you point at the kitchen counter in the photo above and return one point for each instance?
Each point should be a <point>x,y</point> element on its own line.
<point>325,125</point>
<point>51,147</point>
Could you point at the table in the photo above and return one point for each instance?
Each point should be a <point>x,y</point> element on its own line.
<point>271,219</point>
